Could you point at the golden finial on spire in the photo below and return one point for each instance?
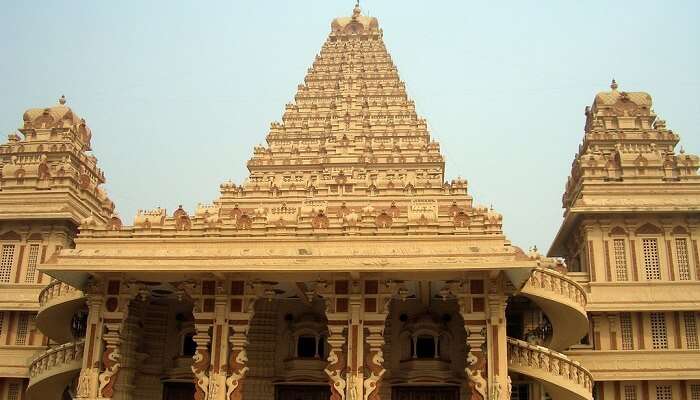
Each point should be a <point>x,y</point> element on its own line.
<point>62,100</point>
<point>613,85</point>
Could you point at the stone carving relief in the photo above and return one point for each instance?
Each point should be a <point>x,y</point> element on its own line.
<point>372,383</point>
<point>476,364</point>
<point>86,381</point>
<point>335,371</point>
<point>200,369</point>
<point>238,370</point>
<point>108,377</point>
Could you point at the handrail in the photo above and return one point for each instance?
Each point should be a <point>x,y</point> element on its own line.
<point>53,290</point>
<point>549,279</point>
<point>55,356</point>
<point>558,365</point>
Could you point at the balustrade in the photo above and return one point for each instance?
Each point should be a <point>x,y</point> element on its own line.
<point>53,290</point>
<point>542,278</point>
<point>549,366</point>
<point>57,356</point>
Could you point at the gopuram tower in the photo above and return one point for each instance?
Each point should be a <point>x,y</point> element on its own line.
<point>345,267</point>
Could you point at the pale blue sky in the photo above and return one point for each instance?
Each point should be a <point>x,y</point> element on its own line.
<point>177,93</point>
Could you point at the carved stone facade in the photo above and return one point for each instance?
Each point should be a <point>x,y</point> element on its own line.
<point>344,267</point>
<point>630,236</point>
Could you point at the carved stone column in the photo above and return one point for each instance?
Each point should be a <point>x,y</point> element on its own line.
<point>374,362</point>
<point>498,346</point>
<point>111,360</point>
<point>356,348</point>
<point>470,295</point>
<point>87,382</point>
<point>103,359</point>
<point>476,359</point>
<point>219,344</point>
<point>238,360</point>
<point>337,361</point>
<point>201,360</point>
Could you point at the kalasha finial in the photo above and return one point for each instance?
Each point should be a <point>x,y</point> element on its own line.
<point>62,100</point>
<point>356,11</point>
<point>613,85</point>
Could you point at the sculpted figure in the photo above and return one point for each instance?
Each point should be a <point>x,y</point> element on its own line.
<point>199,369</point>
<point>334,371</point>
<point>108,377</point>
<point>477,383</point>
<point>372,383</point>
<point>234,383</point>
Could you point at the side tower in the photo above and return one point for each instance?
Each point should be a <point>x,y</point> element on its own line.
<point>49,184</point>
<point>630,235</point>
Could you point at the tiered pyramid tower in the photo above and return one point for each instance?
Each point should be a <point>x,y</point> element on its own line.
<point>350,156</point>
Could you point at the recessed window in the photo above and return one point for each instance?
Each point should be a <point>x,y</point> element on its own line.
<point>630,392</point>
<point>22,329</point>
<point>620,259</point>
<point>659,338</point>
<point>694,392</point>
<point>6,260</point>
<point>664,392</point>
<point>30,276</point>
<point>425,347</point>
<point>691,330</point>
<point>626,328</point>
<point>306,347</point>
<point>13,391</point>
<point>651,259</point>
<point>683,262</point>
<point>189,346</point>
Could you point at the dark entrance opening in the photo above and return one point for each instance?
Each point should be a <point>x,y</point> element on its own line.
<point>302,392</point>
<point>178,391</point>
<point>425,393</point>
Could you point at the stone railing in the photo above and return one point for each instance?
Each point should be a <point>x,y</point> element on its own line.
<point>57,357</point>
<point>551,367</point>
<point>551,280</point>
<point>53,290</point>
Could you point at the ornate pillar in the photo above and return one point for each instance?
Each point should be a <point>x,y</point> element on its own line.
<point>374,362</point>
<point>356,348</point>
<point>87,382</point>
<point>237,367</point>
<point>102,359</point>
<point>471,297</point>
<point>497,343</point>
<point>222,311</point>
<point>219,344</point>
<point>111,360</point>
<point>476,358</point>
<point>337,361</point>
<point>201,360</point>
<point>356,312</point>
<point>241,310</point>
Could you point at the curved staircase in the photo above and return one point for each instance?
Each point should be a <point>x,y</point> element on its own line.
<point>57,368</point>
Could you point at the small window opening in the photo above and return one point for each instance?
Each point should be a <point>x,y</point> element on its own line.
<point>306,347</point>
<point>425,347</point>
<point>188,345</point>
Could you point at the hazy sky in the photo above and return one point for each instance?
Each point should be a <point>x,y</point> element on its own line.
<point>177,93</point>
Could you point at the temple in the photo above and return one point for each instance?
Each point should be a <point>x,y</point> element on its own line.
<point>346,266</point>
